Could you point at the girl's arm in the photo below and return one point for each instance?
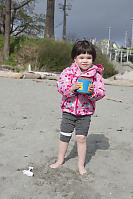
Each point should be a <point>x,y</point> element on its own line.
<point>98,89</point>
<point>64,83</point>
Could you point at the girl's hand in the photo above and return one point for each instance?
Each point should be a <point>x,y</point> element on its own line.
<point>91,89</point>
<point>75,86</point>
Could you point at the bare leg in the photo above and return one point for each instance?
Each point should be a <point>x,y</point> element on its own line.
<point>61,154</point>
<point>81,146</point>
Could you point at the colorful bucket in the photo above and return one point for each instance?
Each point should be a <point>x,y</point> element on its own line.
<point>85,86</point>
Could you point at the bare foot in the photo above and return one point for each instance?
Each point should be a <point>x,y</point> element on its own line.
<point>55,165</point>
<point>82,170</point>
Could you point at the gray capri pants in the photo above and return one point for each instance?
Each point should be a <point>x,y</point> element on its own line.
<point>80,123</point>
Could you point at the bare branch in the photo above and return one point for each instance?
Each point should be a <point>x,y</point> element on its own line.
<point>22,30</point>
<point>22,4</point>
<point>19,27</point>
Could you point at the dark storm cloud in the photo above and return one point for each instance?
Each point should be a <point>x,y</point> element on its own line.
<point>93,17</point>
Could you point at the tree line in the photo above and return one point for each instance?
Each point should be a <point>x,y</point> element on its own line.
<point>20,18</point>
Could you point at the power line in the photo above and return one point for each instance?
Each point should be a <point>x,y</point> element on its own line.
<point>132,34</point>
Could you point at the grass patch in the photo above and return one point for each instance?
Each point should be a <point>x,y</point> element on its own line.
<point>54,55</point>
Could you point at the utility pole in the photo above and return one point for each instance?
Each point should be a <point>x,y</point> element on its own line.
<point>109,30</point>
<point>126,39</point>
<point>64,7</point>
<point>132,34</point>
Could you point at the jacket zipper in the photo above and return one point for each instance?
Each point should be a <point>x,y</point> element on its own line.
<point>76,104</point>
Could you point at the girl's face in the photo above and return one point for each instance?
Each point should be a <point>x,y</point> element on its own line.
<point>84,61</point>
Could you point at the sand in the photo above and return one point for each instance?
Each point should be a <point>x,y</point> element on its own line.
<point>30,117</point>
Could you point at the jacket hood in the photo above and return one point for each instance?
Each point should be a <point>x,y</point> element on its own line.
<point>90,72</point>
<point>100,69</point>
<point>95,69</point>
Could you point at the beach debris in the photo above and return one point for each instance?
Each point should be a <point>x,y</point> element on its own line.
<point>28,172</point>
<point>120,129</point>
<point>3,127</point>
<point>42,131</point>
<point>37,81</point>
<point>25,156</point>
<point>24,117</point>
<point>112,99</point>
<point>95,115</point>
<point>18,128</point>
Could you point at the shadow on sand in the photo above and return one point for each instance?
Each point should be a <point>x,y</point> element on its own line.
<point>94,142</point>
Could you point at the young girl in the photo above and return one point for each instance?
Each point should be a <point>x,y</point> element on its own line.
<point>77,108</point>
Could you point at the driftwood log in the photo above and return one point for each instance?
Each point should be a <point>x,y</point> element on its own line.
<point>112,99</point>
<point>40,75</point>
<point>28,75</point>
<point>121,82</point>
<point>31,75</point>
<point>47,75</point>
<point>6,68</point>
<point>11,74</point>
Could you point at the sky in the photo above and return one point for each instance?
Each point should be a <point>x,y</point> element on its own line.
<point>92,19</point>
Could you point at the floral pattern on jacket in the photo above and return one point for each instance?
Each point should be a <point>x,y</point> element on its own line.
<point>77,103</point>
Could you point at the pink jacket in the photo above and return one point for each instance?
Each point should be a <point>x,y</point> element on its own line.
<point>77,103</point>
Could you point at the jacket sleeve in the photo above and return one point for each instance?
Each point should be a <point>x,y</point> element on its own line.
<point>99,90</point>
<point>64,83</point>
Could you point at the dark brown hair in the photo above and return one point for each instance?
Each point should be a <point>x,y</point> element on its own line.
<point>83,47</point>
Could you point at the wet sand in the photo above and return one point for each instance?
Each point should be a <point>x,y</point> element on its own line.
<point>29,130</point>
